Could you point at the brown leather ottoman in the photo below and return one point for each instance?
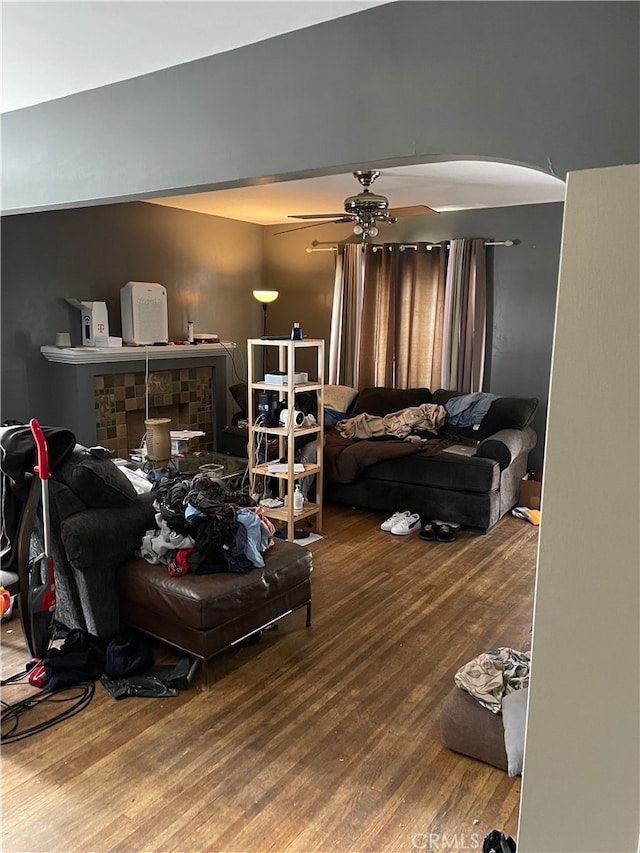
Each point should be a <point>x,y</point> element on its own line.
<point>204,614</point>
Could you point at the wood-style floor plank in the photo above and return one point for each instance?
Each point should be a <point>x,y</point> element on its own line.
<point>317,739</point>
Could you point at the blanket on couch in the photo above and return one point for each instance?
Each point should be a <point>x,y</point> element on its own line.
<point>346,458</point>
<point>428,417</point>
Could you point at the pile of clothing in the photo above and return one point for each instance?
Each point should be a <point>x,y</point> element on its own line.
<point>203,527</point>
<point>468,410</point>
<point>427,418</point>
<point>493,675</point>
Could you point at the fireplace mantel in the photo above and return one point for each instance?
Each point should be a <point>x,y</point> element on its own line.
<point>107,355</point>
<point>70,399</point>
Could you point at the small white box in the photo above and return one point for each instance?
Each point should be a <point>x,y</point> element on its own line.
<point>283,467</point>
<point>143,308</point>
<point>111,341</point>
<point>279,378</point>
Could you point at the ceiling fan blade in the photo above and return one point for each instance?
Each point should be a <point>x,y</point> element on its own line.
<point>413,210</point>
<point>312,225</point>
<point>316,216</point>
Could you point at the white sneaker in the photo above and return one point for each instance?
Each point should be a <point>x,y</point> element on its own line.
<point>407,525</point>
<point>394,519</point>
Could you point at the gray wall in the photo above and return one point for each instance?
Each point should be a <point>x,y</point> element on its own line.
<point>209,266</point>
<point>529,82</point>
<point>522,284</point>
<point>555,86</point>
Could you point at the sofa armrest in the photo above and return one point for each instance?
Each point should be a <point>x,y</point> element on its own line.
<point>102,537</point>
<point>506,445</point>
<point>97,542</point>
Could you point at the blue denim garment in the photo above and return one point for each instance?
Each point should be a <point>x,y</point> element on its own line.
<point>252,522</point>
<point>468,409</point>
<point>332,416</point>
<point>191,512</point>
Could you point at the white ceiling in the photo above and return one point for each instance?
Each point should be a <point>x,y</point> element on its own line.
<point>51,49</point>
<point>454,185</point>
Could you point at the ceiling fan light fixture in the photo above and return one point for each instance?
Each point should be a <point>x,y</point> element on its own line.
<point>364,209</point>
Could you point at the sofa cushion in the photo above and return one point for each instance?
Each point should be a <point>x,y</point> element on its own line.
<point>504,413</point>
<point>508,413</point>
<point>98,482</point>
<point>441,396</point>
<point>240,397</point>
<point>63,501</point>
<point>444,471</point>
<point>381,401</point>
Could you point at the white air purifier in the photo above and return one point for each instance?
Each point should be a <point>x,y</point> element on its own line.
<point>143,307</point>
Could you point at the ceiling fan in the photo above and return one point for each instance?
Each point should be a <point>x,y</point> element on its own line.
<point>365,209</point>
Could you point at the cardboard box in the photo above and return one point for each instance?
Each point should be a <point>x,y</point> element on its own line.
<point>530,491</point>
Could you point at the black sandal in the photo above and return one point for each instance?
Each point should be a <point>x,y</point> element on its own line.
<point>446,533</point>
<point>428,531</point>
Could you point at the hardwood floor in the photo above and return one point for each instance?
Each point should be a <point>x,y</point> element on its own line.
<point>316,739</point>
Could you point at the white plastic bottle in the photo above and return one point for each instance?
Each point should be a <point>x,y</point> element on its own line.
<point>190,331</point>
<point>298,499</point>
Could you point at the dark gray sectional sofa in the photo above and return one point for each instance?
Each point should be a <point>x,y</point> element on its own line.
<point>474,491</point>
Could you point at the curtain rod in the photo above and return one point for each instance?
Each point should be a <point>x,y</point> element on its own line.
<point>317,246</point>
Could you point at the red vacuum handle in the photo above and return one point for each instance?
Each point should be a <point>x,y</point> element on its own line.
<point>42,468</point>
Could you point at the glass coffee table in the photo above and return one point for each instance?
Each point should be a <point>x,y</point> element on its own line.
<point>234,467</point>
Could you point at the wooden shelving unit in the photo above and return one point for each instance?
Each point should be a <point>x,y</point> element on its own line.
<point>287,352</point>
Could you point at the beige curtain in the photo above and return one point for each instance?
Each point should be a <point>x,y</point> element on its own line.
<point>344,341</point>
<point>377,340</point>
<point>402,316</point>
<point>465,317</point>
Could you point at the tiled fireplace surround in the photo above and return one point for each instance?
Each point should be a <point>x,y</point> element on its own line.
<point>184,395</point>
<point>101,395</point>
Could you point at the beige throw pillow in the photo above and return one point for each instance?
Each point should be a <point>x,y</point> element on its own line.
<point>338,397</point>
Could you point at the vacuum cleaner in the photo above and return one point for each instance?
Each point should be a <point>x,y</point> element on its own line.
<point>37,616</point>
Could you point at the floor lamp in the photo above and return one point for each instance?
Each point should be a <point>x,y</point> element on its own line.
<point>265,297</point>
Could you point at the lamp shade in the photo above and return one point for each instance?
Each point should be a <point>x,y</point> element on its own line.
<point>265,296</point>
